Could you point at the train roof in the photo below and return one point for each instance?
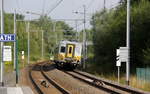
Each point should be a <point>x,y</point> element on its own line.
<point>70,42</point>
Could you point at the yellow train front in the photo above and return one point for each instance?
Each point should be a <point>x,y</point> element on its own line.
<point>69,54</point>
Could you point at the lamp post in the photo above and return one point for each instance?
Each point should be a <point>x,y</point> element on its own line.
<point>84,37</point>
<point>14,42</point>
<point>128,43</point>
<point>2,31</point>
<point>28,30</point>
<point>42,45</point>
<point>15,50</point>
<point>28,27</point>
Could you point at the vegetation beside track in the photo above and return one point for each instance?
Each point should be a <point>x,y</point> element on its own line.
<point>109,33</point>
<point>109,28</point>
<point>134,82</point>
<point>44,24</point>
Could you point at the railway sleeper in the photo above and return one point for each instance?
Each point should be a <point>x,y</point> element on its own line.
<point>100,83</point>
<point>44,83</point>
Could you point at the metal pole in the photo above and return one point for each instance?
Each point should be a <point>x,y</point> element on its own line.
<point>76,22</point>
<point>14,42</point>
<point>42,30</point>
<point>43,7</point>
<point>15,50</point>
<point>2,31</point>
<point>54,30</point>
<point>118,74</point>
<point>28,30</point>
<point>104,5</point>
<point>17,70</point>
<point>42,45</point>
<point>128,42</point>
<point>84,38</point>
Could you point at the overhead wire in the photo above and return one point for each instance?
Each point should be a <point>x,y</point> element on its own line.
<point>18,8</point>
<point>43,7</point>
<point>90,4</point>
<point>78,25</point>
<point>81,5</point>
<point>88,7</point>
<point>114,5</point>
<point>54,7</point>
<point>17,3</point>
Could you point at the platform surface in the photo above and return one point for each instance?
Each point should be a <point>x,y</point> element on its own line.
<point>15,90</point>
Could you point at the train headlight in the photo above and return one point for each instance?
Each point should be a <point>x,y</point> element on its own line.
<point>61,56</point>
<point>77,58</point>
<point>51,58</point>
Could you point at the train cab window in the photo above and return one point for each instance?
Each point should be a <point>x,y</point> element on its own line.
<point>70,50</point>
<point>62,50</point>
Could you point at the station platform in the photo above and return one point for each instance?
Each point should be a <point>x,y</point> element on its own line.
<point>15,90</point>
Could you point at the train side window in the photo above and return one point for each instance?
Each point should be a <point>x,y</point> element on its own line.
<point>62,50</point>
<point>70,50</point>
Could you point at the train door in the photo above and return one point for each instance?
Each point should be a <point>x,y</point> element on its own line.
<point>70,50</point>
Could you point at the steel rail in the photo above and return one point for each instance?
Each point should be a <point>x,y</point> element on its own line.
<point>55,84</point>
<point>121,87</point>
<point>93,84</point>
<point>34,83</point>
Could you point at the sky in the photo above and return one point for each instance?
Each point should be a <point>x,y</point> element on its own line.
<point>63,11</point>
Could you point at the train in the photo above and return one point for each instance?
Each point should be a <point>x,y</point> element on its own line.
<point>68,54</point>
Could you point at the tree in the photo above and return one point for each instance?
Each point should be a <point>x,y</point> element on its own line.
<point>110,34</point>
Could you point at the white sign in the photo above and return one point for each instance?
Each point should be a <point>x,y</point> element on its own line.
<point>22,57</point>
<point>22,52</point>
<point>122,52</point>
<point>118,63</point>
<point>7,53</point>
<point>117,52</point>
<point>7,37</point>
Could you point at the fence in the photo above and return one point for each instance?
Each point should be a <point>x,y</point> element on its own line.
<point>143,74</point>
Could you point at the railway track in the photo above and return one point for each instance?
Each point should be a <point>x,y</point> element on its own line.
<point>37,86</point>
<point>90,82</point>
<point>34,83</point>
<point>105,85</point>
<point>101,84</point>
<point>59,87</point>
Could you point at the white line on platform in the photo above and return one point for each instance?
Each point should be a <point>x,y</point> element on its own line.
<point>12,90</point>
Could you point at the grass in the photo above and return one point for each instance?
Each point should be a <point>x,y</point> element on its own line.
<point>141,84</point>
<point>9,67</point>
<point>134,82</point>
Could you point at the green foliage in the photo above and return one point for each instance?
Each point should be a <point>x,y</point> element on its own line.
<point>45,25</point>
<point>110,34</point>
<point>146,56</point>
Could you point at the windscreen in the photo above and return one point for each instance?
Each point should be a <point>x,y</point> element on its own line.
<point>62,49</point>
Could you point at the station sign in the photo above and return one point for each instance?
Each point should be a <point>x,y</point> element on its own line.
<point>122,55</point>
<point>7,53</point>
<point>7,37</point>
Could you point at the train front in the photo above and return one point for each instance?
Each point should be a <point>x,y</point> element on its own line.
<point>69,54</point>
